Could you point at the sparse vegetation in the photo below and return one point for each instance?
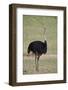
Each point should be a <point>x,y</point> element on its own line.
<point>34,30</point>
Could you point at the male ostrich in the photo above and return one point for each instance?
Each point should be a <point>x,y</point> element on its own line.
<point>38,48</point>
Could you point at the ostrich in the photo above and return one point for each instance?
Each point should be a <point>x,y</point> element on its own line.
<point>38,48</point>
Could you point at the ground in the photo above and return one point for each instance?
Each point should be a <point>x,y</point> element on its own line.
<point>47,64</point>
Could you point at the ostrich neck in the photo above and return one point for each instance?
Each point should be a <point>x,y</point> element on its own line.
<point>44,35</point>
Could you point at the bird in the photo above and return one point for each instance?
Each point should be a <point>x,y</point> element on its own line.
<point>37,48</point>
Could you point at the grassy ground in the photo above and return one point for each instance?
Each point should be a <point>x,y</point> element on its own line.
<point>47,64</point>
<point>34,29</point>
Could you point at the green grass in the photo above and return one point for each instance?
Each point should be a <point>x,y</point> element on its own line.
<point>34,30</point>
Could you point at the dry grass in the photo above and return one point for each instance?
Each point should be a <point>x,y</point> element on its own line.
<point>47,64</point>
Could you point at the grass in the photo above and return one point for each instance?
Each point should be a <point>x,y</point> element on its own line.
<point>47,64</point>
<point>34,29</point>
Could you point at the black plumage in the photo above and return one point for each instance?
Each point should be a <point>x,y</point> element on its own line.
<point>37,47</point>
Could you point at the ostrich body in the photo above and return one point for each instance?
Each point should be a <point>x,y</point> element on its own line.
<point>38,48</point>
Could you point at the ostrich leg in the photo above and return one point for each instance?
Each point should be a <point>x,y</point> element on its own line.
<point>36,62</point>
<point>37,65</point>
